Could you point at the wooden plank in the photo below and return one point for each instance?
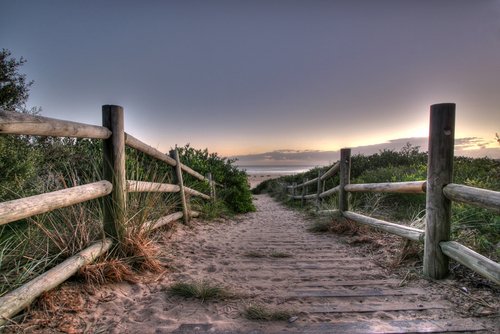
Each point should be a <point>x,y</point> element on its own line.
<point>415,187</point>
<point>154,224</point>
<point>193,192</point>
<point>384,282</point>
<point>330,192</point>
<point>115,205</point>
<point>34,205</point>
<point>393,326</point>
<point>401,230</point>
<point>439,174</point>
<point>141,186</point>
<point>466,256</point>
<point>361,292</point>
<point>331,172</point>
<point>135,143</point>
<point>374,307</point>
<point>483,198</point>
<point>17,300</point>
<point>25,124</point>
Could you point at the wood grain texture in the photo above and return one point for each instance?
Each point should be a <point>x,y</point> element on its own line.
<point>345,177</point>
<point>439,174</point>
<point>483,198</point>
<point>193,192</point>
<point>115,205</point>
<point>414,187</point>
<point>403,231</point>
<point>17,300</point>
<point>472,260</point>
<point>174,154</point>
<point>25,124</point>
<point>135,143</point>
<point>141,186</point>
<point>29,206</point>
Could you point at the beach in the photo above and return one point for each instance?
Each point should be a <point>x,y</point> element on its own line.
<point>259,174</point>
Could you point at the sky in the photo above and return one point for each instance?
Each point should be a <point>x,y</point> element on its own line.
<point>246,78</point>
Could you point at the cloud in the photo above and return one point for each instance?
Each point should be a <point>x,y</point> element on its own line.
<point>472,147</point>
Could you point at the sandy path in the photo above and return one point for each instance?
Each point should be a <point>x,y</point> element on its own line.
<point>329,287</point>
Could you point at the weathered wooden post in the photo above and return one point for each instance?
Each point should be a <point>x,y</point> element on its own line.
<point>115,204</point>
<point>439,174</point>
<point>318,191</point>
<point>294,190</point>
<point>178,178</point>
<point>345,176</point>
<point>303,200</point>
<point>211,185</point>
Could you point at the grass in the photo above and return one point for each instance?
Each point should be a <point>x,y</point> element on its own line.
<point>203,290</point>
<point>319,226</point>
<point>265,313</point>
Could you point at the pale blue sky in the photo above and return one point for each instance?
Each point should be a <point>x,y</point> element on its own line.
<point>245,77</point>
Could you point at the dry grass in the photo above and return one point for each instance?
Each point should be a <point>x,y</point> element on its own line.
<point>107,271</point>
<point>265,313</point>
<point>199,290</point>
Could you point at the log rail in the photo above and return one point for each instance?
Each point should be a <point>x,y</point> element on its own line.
<point>439,191</point>
<point>113,189</point>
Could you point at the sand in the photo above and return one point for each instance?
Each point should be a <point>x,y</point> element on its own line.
<point>327,284</point>
<point>255,179</point>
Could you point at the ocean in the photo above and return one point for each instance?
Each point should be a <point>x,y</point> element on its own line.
<point>275,170</point>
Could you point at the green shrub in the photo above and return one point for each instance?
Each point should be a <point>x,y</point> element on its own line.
<point>235,191</point>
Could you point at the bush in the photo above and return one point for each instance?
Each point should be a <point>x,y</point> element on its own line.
<point>235,191</point>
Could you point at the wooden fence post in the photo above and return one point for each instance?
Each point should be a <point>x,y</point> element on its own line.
<point>303,200</point>
<point>211,184</point>
<point>345,176</point>
<point>294,190</point>
<point>178,177</point>
<point>115,204</point>
<point>318,191</point>
<point>439,174</point>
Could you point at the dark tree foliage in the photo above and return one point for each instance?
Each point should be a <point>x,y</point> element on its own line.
<point>14,88</point>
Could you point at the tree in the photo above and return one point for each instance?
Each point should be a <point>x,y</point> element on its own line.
<point>18,157</point>
<point>14,88</point>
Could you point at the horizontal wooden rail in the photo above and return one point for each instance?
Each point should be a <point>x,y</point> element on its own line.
<point>311,196</point>
<point>193,192</point>
<point>25,124</point>
<point>193,173</point>
<point>414,187</point>
<point>401,230</point>
<point>466,256</point>
<point>29,206</point>
<point>484,198</point>
<point>135,143</point>
<point>307,183</point>
<point>17,300</point>
<point>330,192</point>
<point>141,186</point>
<point>331,172</point>
<point>154,224</point>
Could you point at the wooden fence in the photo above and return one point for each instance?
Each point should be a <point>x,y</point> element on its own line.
<point>439,190</point>
<point>113,189</point>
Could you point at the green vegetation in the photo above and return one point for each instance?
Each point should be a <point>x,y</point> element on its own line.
<point>264,313</point>
<point>475,227</point>
<point>199,290</point>
<point>234,190</point>
<point>32,165</point>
